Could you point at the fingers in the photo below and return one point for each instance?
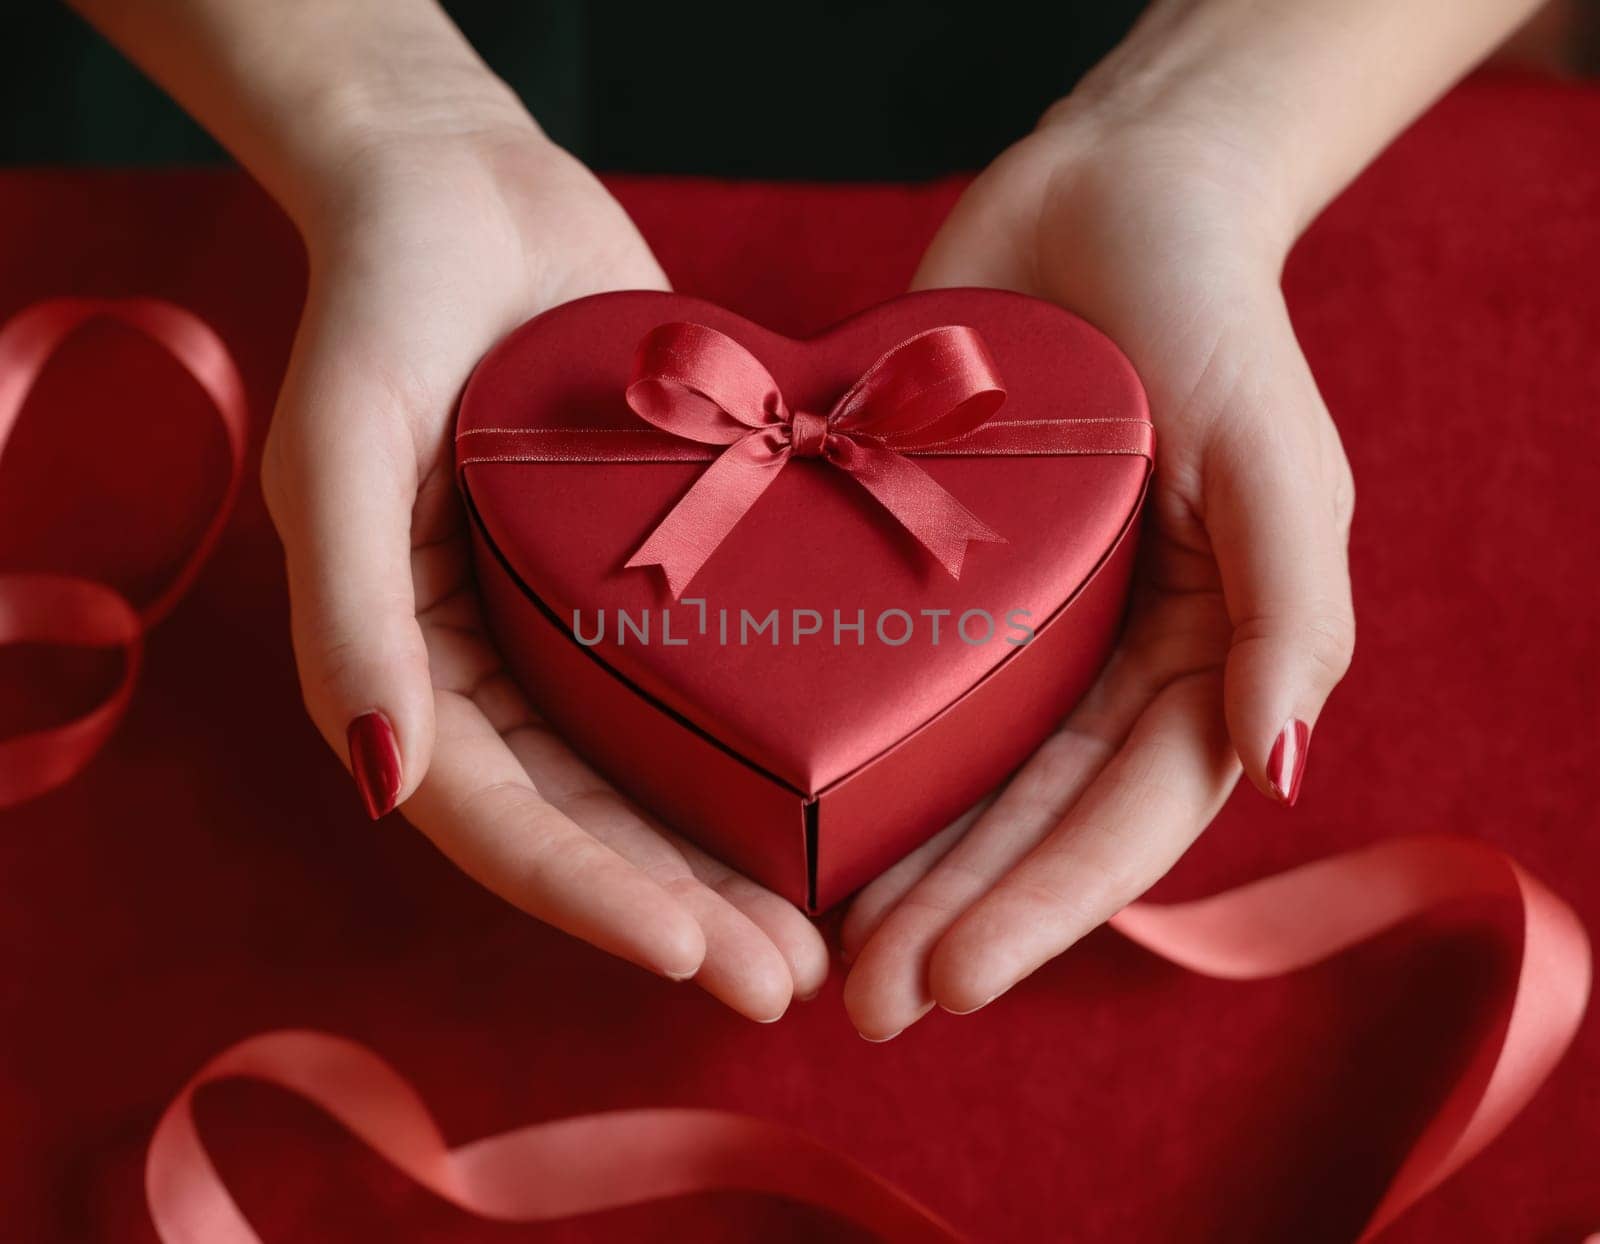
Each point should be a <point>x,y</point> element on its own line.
<point>759,950</point>
<point>1130,824</point>
<point>340,478</point>
<point>888,987</point>
<point>742,967</point>
<point>797,940</point>
<point>1174,636</point>
<point>872,905</point>
<point>478,807</point>
<point>1278,500</point>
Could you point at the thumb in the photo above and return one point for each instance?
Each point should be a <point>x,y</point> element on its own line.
<point>1277,501</point>
<point>340,477</point>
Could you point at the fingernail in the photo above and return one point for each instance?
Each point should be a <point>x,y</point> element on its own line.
<point>971,1009</point>
<point>921,1014</point>
<point>677,977</point>
<point>375,761</point>
<point>1287,763</point>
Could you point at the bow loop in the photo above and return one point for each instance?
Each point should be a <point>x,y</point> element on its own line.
<point>702,385</point>
<point>936,386</point>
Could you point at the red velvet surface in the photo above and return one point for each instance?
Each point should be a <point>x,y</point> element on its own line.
<point>211,874</point>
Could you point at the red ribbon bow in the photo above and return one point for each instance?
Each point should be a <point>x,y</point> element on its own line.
<point>702,385</point>
<point>710,400</point>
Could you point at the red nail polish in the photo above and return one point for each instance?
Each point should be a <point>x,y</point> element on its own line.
<point>1287,763</point>
<point>375,761</point>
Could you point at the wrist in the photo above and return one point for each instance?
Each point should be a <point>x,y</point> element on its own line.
<point>360,134</point>
<point>1179,86</point>
<point>343,90</point>
<point>1204,152</point>
<point>302,92</point>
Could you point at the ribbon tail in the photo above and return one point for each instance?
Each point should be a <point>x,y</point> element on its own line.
<point>703,517</point>
<point>921,505</point>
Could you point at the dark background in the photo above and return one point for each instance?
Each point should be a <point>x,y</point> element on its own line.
<point>823,91</point>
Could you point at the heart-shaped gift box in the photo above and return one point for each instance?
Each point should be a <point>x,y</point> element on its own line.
<point>823,693</point>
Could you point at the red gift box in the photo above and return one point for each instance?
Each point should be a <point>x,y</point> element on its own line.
<point>845,673</point>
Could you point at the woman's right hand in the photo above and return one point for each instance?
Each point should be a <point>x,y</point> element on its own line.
<point>428,241</point>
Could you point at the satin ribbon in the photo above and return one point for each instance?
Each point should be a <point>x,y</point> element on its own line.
<point>708,398</point>
<point>71,611</point>
<point>603,1161</point>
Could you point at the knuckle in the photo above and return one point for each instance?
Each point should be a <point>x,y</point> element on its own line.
<point>549,862</point>
<point>488,802</point>
<point>1324,632</point>
<point>947,890</point>
<point>1331,642</point>
<point>1344,495</point>
<point>343,664</point>
<point>1049,902</point>
<point>589,803</point>
<point>1097,890</point>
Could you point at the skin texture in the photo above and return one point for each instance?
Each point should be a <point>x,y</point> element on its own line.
<point>1242,616</point>
<point>1159,201</point>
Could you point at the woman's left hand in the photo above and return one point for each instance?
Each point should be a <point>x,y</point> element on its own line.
<point>1164,236</point>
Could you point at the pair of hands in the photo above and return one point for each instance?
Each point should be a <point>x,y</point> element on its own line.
<point>435,241</point>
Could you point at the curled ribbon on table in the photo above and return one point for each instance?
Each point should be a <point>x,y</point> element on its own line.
<point>603,1161</point>
<point>75,612</point>
<point>709,399</point>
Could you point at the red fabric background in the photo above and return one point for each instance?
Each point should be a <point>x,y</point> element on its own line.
<point>211,875</point>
